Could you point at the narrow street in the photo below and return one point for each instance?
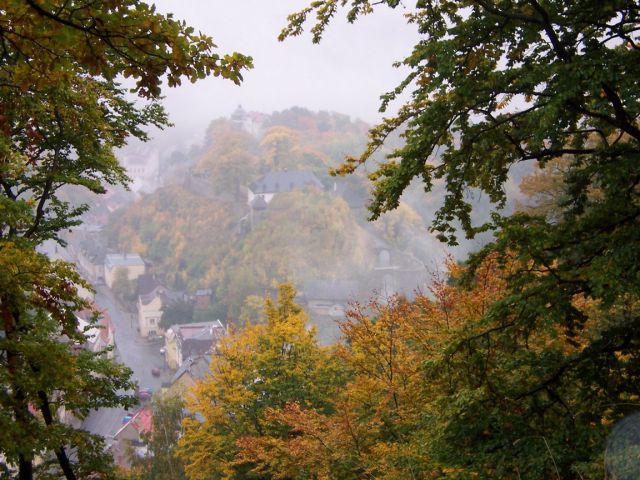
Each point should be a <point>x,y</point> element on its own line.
<point>131,349</point>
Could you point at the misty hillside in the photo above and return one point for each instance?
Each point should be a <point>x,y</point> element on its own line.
<point>207,228</point>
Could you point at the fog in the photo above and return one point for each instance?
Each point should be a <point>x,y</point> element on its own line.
<point>231,202</point>
<point>347,72</point>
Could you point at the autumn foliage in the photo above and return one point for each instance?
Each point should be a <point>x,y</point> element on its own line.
<point>442,386</point>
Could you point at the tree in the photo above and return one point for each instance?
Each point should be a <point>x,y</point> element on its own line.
<point>180,311</point>
<point>230,162</point>
<point>496,83</point>
<point>161,461</point>
<point>62,116</point>
<point>372,429</point>
<point>44,370</point>
<point>255,368</point>
<point>439,388</point>
<point>123,288</point>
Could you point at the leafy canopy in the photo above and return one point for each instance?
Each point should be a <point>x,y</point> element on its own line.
<point>61,115</point>
<point>257,368</point>
<point>494,83</point>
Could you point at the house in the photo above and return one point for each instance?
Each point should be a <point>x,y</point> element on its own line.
<point>202,298</point>
<point>152,295</point>
<point>250,122</point>
<point>192,370</point>
<point>143,166</point>
<point>100,336</point>
<point>190,340</point>
<point>131,262</point>
<point>272,183</point>
<point>326,302</point>
<point>329,297</point>
<point>396,272</point>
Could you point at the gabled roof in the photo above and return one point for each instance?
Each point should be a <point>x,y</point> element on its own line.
<point>149,288</point>
<point>285,181</point>
<point>258,203</point>
<point>147,283</point>
<point>199,330</point>
<point>114,260</point>
<point>142,421</point>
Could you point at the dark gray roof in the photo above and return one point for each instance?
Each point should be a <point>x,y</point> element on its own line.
<point>285,181</point>
<point>147,283</point>
<point>197,367</point>
<point>150,286</point>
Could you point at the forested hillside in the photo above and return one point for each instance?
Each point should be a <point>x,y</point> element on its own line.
<point>199,230</point>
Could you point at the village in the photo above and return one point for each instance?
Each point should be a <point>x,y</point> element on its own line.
<point>169,358</point>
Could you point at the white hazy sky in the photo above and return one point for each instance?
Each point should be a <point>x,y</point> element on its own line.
<point>347,72</point>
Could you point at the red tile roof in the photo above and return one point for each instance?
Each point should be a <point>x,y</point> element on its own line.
<point>142,420</point>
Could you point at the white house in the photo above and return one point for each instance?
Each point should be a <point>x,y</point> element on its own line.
<point>152,296</point>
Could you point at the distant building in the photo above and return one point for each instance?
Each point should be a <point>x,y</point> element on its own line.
<point>396,273</point>
<point>100,336</point>
<point>143,166</point>
<point>190,340</point>
<point>202,298</point>
<point>273,183</point>
<point>91,257</point>
<point>152,296</point>
<point>250,122</point>
<point>131,262</point>
<point>326,302</point>
<point>329,297</point>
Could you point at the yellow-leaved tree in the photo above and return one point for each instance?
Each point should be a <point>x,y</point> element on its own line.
<point>259,367</point>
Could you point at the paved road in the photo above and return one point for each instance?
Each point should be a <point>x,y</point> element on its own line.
<point>132,350</point>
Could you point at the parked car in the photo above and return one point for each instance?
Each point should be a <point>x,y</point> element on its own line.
<point>155,372</point>
<point>144,394</point>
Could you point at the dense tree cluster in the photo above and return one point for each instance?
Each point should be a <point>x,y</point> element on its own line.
<point>518,365</point>
<point>61,115</point>
<point>199,231</point>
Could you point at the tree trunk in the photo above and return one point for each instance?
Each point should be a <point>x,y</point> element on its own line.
<point>61,454</point>
<point>20,406</point>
